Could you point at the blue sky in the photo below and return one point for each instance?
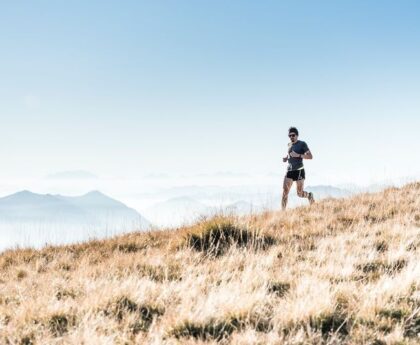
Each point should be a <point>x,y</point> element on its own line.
<point>127,88</point>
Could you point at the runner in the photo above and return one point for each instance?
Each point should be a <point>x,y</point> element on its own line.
<point>297,151</point>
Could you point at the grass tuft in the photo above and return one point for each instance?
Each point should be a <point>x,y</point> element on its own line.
<point>160,273</point>
<point>219,329</point>
<point>380,267</point>
<point>59,324</point>
<point>216,236</point>
<point>394,314</point>
<point>329,323</point>
<point>123,306</point>
<point>279,288</point>
<point>130,247</point>
<point>120,307</point>
<point>211,330</point>
<point>21,274</point>
<point>64,293</point>
<point>412,327</point>
<point>27,340</point>
<point>381,246</point>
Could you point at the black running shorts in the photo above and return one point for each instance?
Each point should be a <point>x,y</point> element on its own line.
<point>296,175</point>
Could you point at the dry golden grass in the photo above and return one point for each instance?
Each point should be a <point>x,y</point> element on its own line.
<point>341,271</point>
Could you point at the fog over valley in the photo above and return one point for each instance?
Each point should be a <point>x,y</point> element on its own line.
<point>71,206</point>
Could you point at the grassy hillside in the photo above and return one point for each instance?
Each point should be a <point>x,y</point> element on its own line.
<point>341,271</point>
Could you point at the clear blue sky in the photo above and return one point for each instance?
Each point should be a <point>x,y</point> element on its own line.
<point>133,87</point>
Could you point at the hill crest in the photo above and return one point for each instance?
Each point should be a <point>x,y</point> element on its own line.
<point>340,271</point>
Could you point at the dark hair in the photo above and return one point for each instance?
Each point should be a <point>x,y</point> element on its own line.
<point>293,130</point>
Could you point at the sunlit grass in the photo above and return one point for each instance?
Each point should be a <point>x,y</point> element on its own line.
<point>340,271</point>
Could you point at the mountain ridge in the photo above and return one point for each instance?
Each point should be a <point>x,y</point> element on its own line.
<point>90,208</point>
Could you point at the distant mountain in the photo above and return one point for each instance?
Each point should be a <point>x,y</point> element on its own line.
<point>104,209</point>
<point>72,175</point>
<point>325,191</point>
<point>94,209</point>
<point>26,206</point>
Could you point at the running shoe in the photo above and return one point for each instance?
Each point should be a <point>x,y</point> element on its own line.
<point>311,198</point>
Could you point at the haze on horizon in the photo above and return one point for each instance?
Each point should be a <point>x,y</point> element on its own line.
<point>185,88</point>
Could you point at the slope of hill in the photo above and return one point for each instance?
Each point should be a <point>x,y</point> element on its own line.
<point>339,272</point>
<point>186,204</point>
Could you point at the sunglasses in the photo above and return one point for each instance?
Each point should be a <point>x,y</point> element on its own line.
<point>292,135</point>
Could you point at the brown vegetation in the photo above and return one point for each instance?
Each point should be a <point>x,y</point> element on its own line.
<point>341,271</point>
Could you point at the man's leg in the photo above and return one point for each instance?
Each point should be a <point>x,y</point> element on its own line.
<point>301,193</point>
<point>287,184</point>
<point>299,189</point>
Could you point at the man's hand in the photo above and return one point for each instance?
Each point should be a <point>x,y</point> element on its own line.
<point>284,159</point>
<point>294,154</point>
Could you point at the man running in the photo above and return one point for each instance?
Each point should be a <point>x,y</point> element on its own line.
<point>297,151</point>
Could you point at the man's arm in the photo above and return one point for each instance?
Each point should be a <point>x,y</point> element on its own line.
<point>307,155</point>
<point>287,155</point>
